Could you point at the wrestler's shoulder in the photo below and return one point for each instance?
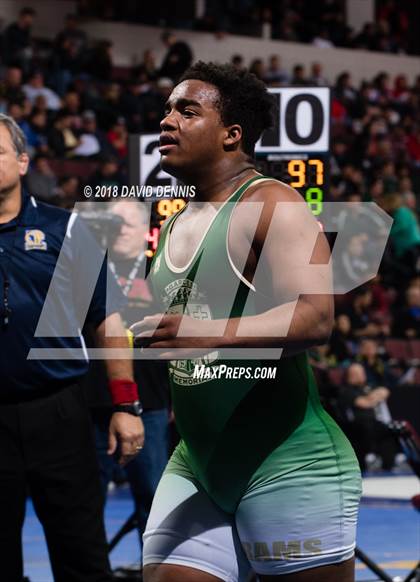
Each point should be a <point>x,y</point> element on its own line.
<point>272,190</point>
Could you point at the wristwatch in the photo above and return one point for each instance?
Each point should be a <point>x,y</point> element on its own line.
<point>134,408</point>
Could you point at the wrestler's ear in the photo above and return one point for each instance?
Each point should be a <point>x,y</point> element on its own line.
<point>233,136</point>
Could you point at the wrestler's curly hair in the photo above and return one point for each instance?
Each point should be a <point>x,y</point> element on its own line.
<point>244,99</point>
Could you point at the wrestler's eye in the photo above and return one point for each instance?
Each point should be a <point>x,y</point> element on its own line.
<point>188,113</point>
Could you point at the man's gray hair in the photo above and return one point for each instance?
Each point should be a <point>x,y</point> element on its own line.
<point>17,135</point>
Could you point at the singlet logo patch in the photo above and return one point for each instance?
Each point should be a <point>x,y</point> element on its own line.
<point>176,299</point>
<point>35,240</point>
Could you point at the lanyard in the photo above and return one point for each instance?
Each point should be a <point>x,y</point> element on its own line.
<point>6,308</point>
<point>6,281</point>
<point>133,273</point>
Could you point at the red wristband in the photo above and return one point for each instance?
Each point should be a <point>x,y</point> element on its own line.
<point>123,391</point>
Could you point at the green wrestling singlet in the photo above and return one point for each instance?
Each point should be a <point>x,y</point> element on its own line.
<point>238,435</point>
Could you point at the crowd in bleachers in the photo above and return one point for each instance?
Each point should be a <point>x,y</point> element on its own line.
<point>77,109</point>
<point>323,23</point>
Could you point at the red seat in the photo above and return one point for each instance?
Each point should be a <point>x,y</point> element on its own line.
<point>80,168</point>
<point>121,73</point>
<point>415,349</point>
<point>398,349</point>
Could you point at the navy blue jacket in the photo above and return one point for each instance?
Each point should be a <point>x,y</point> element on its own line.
<point>83,290</point>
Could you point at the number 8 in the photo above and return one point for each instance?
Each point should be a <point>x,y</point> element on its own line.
<point>315,199</point>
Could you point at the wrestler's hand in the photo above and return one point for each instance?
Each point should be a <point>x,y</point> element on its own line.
<point>178,336</point>
<point>127,431</point>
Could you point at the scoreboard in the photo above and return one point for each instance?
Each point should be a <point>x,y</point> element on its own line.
<point>295,151</point>
<point>307,174</point>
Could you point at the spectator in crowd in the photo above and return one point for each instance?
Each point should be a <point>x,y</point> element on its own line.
<point>405,236</point>
<point>17,42</point>
<point>366,413</point>
<point>61,138</point>
<point>40,104</point>
<point>136,102</point>
<point>316,76</point>
<point>319,357</point>
<point>107,175</point>
<point>376,369</point>
<point>408,196</point>
<point>177,59</point>
<point>36,132</point>
<point>143,102</point>
<point>11,86</point>
<point>72,105</point>
<point>92,141</point>
<point>342,346</point>
<point>367,39</point>
<point>118,137</point>
<point>381,299</point>
<point>298,76</point>
<point>73,35</point>
<point>344,90</point>
<point>360,314</point>
<point>215,18</point>
<point>322,40</point>
<point>238,62</point>
<point>413,144</point>
<point>99,61</point>
<point>70,47</point>
<point>354,265</point>
<point>340,33</point>
<point>36,87</point>
<point>376,190</point>
<point>152,104</point>
<point>396,18</point>
<point>258,68</point>
<point>401,91</point>
<point>275,75</point>
<point>65,65</point>
<point>407,318</point>
<point>364,235</point>
<point>148,64</point>
<point>16,110</point>
<point>289,26</point>
<point>108,106</point>
<point>41,181</point>
<point>68,191</point>
<point>298,21</point>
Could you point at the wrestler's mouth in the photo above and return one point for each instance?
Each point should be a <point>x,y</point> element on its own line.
<point>167,142</point>
<point>167,148</point>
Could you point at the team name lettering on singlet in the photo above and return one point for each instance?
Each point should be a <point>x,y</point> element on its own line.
<point>282,549</point>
